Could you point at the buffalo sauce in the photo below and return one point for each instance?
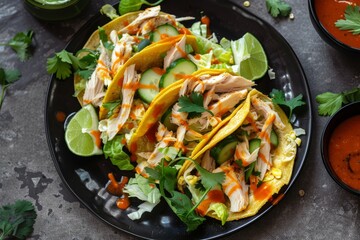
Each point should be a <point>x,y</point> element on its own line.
<point>264,191</point>
<point>344,151</point>
<point>116,188</point>
<point>329,11</point>
<point>213,196</point>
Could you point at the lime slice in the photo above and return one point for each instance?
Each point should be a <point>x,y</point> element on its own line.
<point>255,65</point>
<point>82,135</point>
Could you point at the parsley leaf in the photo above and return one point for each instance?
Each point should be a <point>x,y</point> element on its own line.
<point>17,220</point>
<point>193,104</point>
<point>114,150</point>
<point>87,63</point>
<point>209,179</point>
<point>278,97</point>
<point>351,21</point>
<point>7,77</point>
<point>21,44</point>
<point>330,103</point>
<point>278,7</point>
<point>111,107</point>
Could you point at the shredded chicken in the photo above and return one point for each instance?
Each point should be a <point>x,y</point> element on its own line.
<point>94,90</point>
<point>149,25</point>
<point>266,108</point>
<point>131,78</point>
<point>226,82</point>
<point>234,187</point>
<point>176,52</point>
<point>208,162</point>
<point>122,50</point>
<point>164,138</point>
<point>242,153</point>
<point>227,101</point>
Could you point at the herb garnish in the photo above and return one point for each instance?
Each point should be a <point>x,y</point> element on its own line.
<point>21,44</point>
<point>7,77</point>
<point>126,6</point>
<point>351,21</point>
<point>180,203</point>
<point>278,7</point>
<point>194,104</point>
<point>113,149</point>
<point>111,107</point>
<point>17,220</point>
<point>330,103</point>
<point>278,97</point>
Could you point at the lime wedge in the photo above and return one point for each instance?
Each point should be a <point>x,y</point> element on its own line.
<point>82,135</point>
<point>252,57</point>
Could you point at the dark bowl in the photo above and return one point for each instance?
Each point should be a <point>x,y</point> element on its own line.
<point>343,114</point>
<point>325,35</point>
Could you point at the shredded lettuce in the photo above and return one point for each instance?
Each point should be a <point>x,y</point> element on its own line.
<point>219,52</point>
<point>204,61</point>
<point>220,210</point>
<point>144,207</point>
<point>170,153</point>
<point>113,149</point>
<point>79,87</point>
<point>199,29</point>
<point>240,51</point>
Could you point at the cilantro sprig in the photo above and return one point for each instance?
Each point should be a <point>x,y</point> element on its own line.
<point>7,77</point>
<point>193,104</point>
<point>17,220</point>
<point>330,103</point>
<point>278,7</point>
<point>21,43</point>
<point>278,97</point>
<point>351,21</point>
<point>179,202</point>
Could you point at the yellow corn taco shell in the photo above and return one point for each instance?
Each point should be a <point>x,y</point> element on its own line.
<point>283,158</point>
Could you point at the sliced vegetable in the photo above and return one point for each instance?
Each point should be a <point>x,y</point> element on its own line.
<point>176,71</point>
<point>224,150</point>
<point>149,83</point>
<point>274,140</point>
<point>162,32</point>
<point>254,144</point>
<point>165,119</point>
<point>144,43</point>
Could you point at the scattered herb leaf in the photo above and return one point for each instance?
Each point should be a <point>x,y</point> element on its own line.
<point>351,21</point>
<point>193,104</point>
<point>278,97</point>
<point>104,39</point>
<point>17,220</point>
<point>127,6</point>
<point>330,103</point>
<point>278,7</point>
<point>7,77</point>
<point>21,44</point>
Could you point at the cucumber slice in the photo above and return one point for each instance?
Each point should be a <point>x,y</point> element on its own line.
<point>180,66</point>
<point>163,30</point>
<point>254,144</point>
<point>224,150</point>
<point>149,83</point>
<point>165,119</point>
<point>143,44</point>
<point>274,140</point>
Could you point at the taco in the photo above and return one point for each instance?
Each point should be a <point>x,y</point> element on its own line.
<point>183,119</point>
<point>255,150</point>
<point>109,47</point>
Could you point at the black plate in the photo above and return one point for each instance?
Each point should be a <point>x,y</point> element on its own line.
<point>86,177</point>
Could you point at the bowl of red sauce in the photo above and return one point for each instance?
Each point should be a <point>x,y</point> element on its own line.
<point>329,17</point>
<point>340,147</point>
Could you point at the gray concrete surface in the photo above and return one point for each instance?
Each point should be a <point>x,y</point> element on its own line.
<point>27,172</point>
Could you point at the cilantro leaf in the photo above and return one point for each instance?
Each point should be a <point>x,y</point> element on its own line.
<point>111,107</point>
<point>278,7</point>
<point>351,21</point>
<point>330,103</point>
<point>17,220</point>
<point>193,104</point>
<point>209,179</point>
<point>21,44</point>
<point>62,64</point>
<point>278,97</point>
<point>114,150</point>
<point>7,77</point>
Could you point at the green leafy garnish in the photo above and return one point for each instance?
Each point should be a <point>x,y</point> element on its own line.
<point>21,44</point>
<point>351,21</point>
<point>104,39</point>
<point>7,77</point>
<point>109,11</point>
<point>127,6</point>
<point>278,7</point>
<point>193,104</point>
<point>111,107</point>
<point>87,63</point>
<point>62,64</point>
<point>278,97</point>
<point>330,103</point>
<point>17,220</point>
<point>180,203</point>
<point>114,150</point>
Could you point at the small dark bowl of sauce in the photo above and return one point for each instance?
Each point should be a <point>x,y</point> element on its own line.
<point>340,147</point>
<point>324,14</point>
